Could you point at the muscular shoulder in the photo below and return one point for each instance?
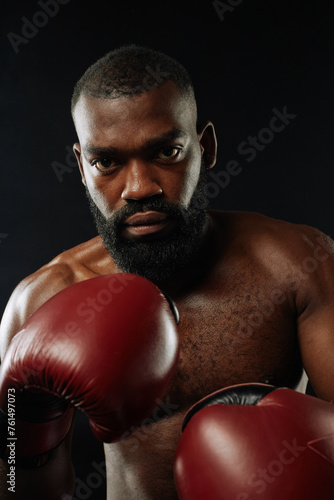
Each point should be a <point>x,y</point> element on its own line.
<point>29,295</point>
<point>296,256</point>
<point>82,262</point>
<point>265,235</point>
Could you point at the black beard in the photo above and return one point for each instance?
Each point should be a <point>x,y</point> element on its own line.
<point>155,259</point>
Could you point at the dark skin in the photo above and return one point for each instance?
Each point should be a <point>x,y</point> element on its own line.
<point>256,303</point>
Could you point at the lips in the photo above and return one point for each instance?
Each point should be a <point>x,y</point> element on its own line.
<point>146,223</point>
<point>146,218</point>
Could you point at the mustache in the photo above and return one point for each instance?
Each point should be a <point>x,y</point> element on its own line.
<point>141,206</point>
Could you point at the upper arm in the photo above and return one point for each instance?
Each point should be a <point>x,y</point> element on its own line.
<point>56,478</point>
<point>13,317</point>
<point>28,296</point>
<point>315,306</point>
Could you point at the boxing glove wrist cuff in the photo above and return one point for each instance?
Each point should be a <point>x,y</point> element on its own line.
<point>39,424</point>
<point>249,394</point>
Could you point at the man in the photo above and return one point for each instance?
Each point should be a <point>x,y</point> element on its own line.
<point>255,295</point>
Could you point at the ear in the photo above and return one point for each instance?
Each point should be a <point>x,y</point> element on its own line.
<point>77,152</point>
<point>208,143</point>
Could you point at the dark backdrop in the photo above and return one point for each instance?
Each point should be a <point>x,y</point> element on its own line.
<point>247,58</point>
<point>262,55</point>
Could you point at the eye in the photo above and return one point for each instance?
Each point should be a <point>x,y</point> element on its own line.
<point>168,152</point>
<point>103,164</point>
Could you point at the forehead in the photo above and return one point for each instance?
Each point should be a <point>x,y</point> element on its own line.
<point>134,119</point>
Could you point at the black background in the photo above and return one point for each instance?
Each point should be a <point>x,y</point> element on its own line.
<point>263,55</point>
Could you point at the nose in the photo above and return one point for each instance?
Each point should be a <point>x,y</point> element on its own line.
<point>140,182</point>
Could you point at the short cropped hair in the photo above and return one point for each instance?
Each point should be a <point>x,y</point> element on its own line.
<point>131,70</point>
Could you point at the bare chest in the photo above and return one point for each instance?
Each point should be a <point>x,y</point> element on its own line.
<point>244,333</point>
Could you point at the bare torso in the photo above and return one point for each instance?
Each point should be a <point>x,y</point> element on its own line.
<point>229,334</point>
<point>238,323</point>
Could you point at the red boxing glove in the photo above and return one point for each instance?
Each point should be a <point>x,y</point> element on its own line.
<point>254,441</point>
<point>107,345</point>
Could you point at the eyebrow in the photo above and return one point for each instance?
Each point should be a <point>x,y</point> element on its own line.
<point>153,143</point>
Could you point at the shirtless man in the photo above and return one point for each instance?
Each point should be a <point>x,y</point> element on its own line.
<point>255,295</point>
